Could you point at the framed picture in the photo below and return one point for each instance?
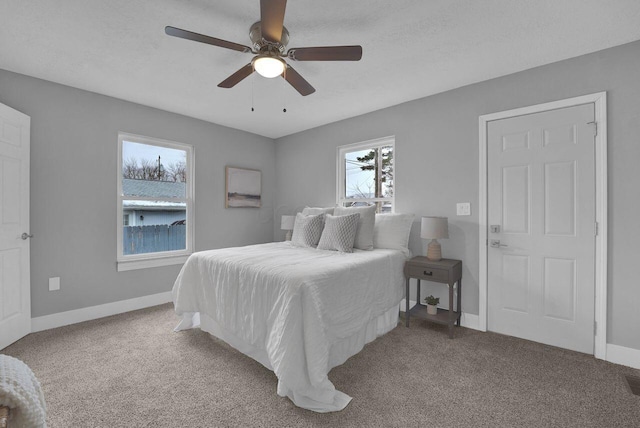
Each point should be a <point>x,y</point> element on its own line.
<point>244,188</point>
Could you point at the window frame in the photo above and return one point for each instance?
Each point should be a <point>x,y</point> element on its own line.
<point>161,258</point>
<point>341,196</point>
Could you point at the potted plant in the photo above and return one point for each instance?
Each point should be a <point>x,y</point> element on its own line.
<point>432,304</point>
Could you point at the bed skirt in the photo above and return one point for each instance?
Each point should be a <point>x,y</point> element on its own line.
<point>320,400</point>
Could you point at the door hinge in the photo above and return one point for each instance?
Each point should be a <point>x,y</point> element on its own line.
<point>595,228</point>
<point>594,127</point>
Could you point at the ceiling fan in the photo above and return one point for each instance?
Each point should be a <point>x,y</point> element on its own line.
<point>270,38</point>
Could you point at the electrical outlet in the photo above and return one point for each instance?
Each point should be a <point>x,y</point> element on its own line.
<point>54,283</point>
<point>463,208</point>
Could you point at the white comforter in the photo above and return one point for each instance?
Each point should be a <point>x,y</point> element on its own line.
<point>298,311</point>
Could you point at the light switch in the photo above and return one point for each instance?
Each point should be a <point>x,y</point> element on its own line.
<point>54,283</point>
<point>463,208</point>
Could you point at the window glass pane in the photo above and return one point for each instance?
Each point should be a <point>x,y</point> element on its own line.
<point>386,176</point>
<point>358,204</point>
<point>381,206</point>
<point>154,226</point>
<point>384,206</point>
<point>153,171</point>
<point>369,173</point>
<point>360,174</point>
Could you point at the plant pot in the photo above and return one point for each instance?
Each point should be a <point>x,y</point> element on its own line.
<point>432,309</point>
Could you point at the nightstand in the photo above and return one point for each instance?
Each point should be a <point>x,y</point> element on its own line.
<point>446,271</point>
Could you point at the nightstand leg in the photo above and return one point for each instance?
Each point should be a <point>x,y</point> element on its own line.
<point>459,309</point>
<point>418,293</point>
<point>406,299</point>
<point>450,310</point>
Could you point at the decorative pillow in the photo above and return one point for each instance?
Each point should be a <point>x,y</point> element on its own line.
<point>364,235</point>
<point>307,230</point>
<point>339,233</point>
<point>317,210</point>
<point>392,231</point>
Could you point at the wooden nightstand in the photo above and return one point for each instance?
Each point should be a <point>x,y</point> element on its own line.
<point>446,271</point>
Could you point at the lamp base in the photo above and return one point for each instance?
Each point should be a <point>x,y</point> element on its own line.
<point>434,251</point>
<point>288,236</point>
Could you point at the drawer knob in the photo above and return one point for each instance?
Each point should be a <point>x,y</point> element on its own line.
<point>427,273</point>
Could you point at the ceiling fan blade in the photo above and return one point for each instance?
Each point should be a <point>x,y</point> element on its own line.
<point>189,35</point>
<point>326,53</point>
<point>297,81</point>
<point>236,77</point>
<point>272,18</point>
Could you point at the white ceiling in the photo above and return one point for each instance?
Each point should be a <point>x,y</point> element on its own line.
<point>411,49</point>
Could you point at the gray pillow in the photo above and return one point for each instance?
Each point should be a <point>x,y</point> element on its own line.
<point>307,230</point>
<point>364,234</point>
<point>339,233</point>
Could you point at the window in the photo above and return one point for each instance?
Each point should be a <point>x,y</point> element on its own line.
<point>155,202</point>
<point>366,174</point>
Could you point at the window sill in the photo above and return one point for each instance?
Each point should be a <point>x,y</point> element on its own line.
<point>125,265</point>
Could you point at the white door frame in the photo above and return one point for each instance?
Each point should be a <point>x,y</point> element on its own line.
<point>600,101</point>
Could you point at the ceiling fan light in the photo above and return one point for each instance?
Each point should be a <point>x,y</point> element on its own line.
<point>268,66</point>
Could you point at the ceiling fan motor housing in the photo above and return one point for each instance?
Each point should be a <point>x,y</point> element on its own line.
<point>262,45</point>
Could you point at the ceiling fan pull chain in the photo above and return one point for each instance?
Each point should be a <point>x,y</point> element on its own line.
<point>284,93</point>
<point>252,86</point>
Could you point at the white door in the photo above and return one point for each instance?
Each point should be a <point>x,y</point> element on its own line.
<point>15,294</point>
<point>541,216</point>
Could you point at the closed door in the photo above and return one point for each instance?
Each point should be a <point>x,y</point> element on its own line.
<point>15,300</point>
<point>541,212</point>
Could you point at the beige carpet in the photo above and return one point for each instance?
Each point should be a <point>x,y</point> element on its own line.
<point>131,370</point>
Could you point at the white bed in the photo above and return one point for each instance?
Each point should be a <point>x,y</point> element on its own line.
<point>298,311</point>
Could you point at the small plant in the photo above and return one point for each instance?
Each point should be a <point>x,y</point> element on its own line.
<point>432,300</point>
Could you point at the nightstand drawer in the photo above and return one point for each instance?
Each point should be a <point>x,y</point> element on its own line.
<point>428,273</point>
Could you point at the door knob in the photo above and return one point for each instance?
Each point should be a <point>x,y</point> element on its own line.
<point>26,236</point>
<point>495,243</point>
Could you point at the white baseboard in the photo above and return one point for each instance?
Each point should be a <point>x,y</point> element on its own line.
<point>467,320</point>
<point>471,321</point>
<point>60,319</point>
<point>625,356</point>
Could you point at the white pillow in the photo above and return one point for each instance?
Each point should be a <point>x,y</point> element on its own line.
<point>392,231</point>
<point>307,230</point>
<point>317,210</point>
<point>364,235</point>
<point>339,233</point>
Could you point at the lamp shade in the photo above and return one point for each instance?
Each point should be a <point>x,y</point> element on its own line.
<point>287,222</point>
<point>434,227</point>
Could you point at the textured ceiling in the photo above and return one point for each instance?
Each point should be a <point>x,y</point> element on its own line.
<point>412,48</point>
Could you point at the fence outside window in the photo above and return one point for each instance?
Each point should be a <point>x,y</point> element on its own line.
<point>153,238</point>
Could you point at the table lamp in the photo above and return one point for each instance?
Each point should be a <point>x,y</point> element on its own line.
<point>287,224</point>
<point>434,228</point>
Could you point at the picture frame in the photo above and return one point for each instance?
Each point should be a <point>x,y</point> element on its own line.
<point>243,188</point>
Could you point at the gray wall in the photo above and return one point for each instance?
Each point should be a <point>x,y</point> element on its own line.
<point>74,140</point>
<point>437,163</point>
